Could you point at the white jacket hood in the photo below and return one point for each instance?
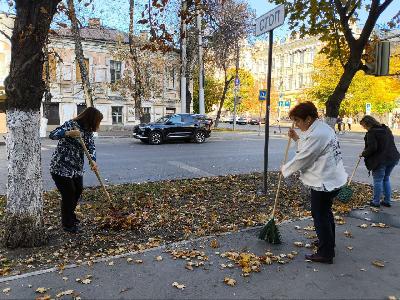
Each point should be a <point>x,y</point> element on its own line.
<point>318,158</point>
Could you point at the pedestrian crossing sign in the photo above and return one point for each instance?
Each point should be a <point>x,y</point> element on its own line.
<point>263,95</point>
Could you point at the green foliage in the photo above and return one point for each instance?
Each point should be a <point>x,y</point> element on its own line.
<point>212,92</point>
<point>381,92</point>
<point>247,92</point>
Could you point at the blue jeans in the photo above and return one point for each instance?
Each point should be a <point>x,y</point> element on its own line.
<point>381,178</point>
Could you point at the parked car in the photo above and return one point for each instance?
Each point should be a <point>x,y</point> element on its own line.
<point>254,122</point>
<point>241,121</point>
<point>231,120</point>
<point>190,127</point>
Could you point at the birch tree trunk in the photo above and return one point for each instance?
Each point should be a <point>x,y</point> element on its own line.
<point>24,88</point>
<point>87,89</point>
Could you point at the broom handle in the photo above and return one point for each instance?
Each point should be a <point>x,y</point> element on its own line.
<point>280,174</point>
<point>354,171</point>
<point>95,170</point>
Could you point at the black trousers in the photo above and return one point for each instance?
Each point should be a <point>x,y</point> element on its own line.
<point>324,223</point>
<point>70,190</point>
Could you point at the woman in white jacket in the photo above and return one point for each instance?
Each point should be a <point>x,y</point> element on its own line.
<point>319,160</point>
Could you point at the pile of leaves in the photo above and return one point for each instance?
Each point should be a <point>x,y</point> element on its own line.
<point>150,214</point>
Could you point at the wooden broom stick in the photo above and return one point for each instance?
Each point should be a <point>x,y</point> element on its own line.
<point>280,174</point>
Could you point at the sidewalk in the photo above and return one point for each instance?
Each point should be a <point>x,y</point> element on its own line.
<point>151,274</point>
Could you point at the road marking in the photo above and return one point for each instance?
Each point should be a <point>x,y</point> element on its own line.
<point>191,169</point>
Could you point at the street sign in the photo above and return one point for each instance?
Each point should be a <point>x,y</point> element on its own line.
<point>237,81</point>
<point>270,20</point>
<point>368,108</point>
<point>263,95</point>
<point>281,103</point>
<point>287,103</point>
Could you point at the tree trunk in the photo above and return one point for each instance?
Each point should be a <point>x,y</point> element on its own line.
<point>222,99</point>
<point>24,88</point>
<point>87,89</point>
<point>336,98</point>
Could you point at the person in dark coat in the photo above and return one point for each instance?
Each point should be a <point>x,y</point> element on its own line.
<point>380,156</point>
<point>66,166</point>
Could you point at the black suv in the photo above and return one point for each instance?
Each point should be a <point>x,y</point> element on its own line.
<point>191,127</point>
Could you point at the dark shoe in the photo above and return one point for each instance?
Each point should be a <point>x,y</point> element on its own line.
<point>318,258</point>
<point>73,229</point>
<point>386,204</point>
<point>374,205</point>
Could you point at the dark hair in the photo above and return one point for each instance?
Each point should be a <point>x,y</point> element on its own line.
<point>304,110</point>
<point>89,119</point>
<point>369,122</point>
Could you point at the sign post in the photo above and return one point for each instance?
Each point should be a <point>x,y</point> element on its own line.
<point>367,108</point>
<point>267,23</point>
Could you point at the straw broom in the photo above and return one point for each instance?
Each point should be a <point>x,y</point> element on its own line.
<point>270,231</point>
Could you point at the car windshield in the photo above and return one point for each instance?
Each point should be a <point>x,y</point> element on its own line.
<point>162,120</point>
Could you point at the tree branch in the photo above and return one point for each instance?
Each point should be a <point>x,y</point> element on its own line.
<point>351,12</point>
<point>384,5</point>
<point>344,22</point>
<point>6,35</point>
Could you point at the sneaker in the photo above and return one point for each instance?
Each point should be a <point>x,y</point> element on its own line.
<point>374,204</point>
<point>385,204</point>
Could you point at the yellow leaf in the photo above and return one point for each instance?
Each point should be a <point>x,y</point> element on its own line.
<point>214,244</point>
<point>229,281</point>
<point>298,244</point>
<point>159,258</point>
<point>41,290</point>
<point>363,226</point>
<point>138,261</point>
<point>178,285</point>
<point>65,293</point>
<point>86,281</point>
<point>378,263</point>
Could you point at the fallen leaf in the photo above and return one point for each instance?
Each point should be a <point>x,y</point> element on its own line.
<point>6,290</point>
<point>348,234</point>
<point>159,258</point>
<point>44,297</point>
<point>189,267</point>
<point>65,278</point>
<point>86,281</point>
<point>363,270</point>
<point>363,226</point>
<point>111,263</point>
<point>378,263</point>
<point>41,290</point>
<point>229,281</point>
<point>129,259</point>
<point>65,293</point>
<point>178,286</point>
<point>350,248</point>
<point>392,298</point>
<point>214,244</point>
<point>299,244</point>
<point>138,261</point>
<point>380,225</point>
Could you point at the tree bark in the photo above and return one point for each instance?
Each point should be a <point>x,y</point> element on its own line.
<point>87,89</point>
<point>227,82</point>
<point>24,89</point>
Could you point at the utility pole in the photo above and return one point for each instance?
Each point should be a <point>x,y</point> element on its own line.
<point>202,108</point>
<point>183,55</point>
<point>237,85</point>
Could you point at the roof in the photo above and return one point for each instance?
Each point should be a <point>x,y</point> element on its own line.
<point>97,33</point>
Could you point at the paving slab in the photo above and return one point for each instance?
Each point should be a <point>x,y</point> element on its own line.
<point>352,276</point>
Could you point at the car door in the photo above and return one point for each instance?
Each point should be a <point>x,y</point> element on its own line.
<point>189,125</point>
<point>173,127</point>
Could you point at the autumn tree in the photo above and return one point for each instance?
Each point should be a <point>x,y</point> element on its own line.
<point>333,21</point>
<point>213,88</point>
<point>24,89</point>
<point>229,22</point>
<point>381,92</point>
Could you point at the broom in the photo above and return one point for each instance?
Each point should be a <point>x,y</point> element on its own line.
<point>346,192</point>
<point>91,162</point>
<point>270,231</point>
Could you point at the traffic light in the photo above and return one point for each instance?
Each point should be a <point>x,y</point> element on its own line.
<point>380,64</point>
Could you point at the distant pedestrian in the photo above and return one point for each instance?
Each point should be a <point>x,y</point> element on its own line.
<point>345,122</point>
<point>319,160</point>
<point>67,162</point>
<point>381,156</point>
<point>349,122</point>
<point>339,122</point>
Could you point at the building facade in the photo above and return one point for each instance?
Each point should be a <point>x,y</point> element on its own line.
<point>104,69</point>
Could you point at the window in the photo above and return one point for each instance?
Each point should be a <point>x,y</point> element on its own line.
<point>302,57</point>
<point>282,61</point>
<point>146,110</point>
<point>115,70</point>
<point>116,112</point>
<point>291,59</point>
<point>170,111</point>
<point>176,119</point>
<point>301,83</point>
<point>289,83</point>
<point>187,119</point>
<point>171,78</point>
<point>78,70</point>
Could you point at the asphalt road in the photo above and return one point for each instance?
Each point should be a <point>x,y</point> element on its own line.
<point>123,160</point>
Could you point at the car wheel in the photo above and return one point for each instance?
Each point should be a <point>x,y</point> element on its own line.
<point>200,137</point>
<point>155,138</point>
